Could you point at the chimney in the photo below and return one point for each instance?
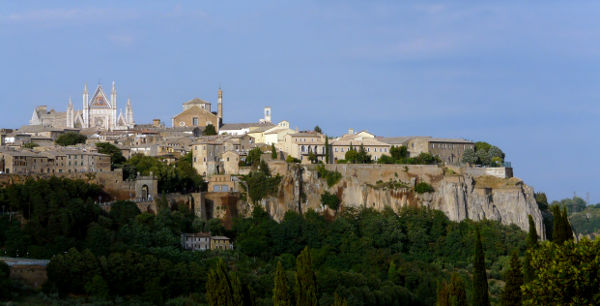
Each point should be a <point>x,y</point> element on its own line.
<point>156,122</point>
<point>350,131</point>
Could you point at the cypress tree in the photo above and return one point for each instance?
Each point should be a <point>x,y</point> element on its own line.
<point>532,241</point>
<point>273,152</point>
<point>558,228</point>
<point>480,285</point>
<point>532,237</point>
<point>514,280</point>
<point>280,289</point>
<point>218,286</point>
<point>567,225</point>
<point>222,288</point>
<point>306,282</point>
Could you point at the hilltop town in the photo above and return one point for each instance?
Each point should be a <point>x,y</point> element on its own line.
<point>217,144</point>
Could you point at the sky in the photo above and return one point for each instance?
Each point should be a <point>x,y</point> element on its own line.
<point>521,76</point>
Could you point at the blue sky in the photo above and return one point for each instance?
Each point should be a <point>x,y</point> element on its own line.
<point>522,76</point>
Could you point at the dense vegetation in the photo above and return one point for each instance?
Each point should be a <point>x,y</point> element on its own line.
<point>70,138</point>
<point>176,177</point>
<point>360,257</point>
<point>209,130</point>
<point>116,156</point>
<point>363,256</point>
<point>484,154</point>
<point>400,155</point>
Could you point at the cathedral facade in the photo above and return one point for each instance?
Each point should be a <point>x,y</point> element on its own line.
<point>99,112</point>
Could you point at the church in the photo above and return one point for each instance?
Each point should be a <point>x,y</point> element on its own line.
<point>99,112</point>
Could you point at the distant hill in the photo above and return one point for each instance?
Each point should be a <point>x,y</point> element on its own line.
<point>584,218</point>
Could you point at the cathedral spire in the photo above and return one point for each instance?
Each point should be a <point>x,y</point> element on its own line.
<point>85,88</point>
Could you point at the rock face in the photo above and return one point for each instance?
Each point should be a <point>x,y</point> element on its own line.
<point>459,196</point>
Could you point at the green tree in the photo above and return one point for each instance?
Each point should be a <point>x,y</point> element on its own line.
<point>566,274</point>
<point>222,288</point>
<point>253,158</point>
<point>98,287</point>
<point>318,129</point>
<point>30,145</point>
<point>70,138</point>
<point>469,156</point>
<point>452,293</point>
<point>281,296</point>
<point>209,130</point>
<point>273,152</point>
<point>330,200</point>
<point>514,280</point>
<point>480,285</point>
<point>116,156</point>
<point>561,230</point>
<point>306,282</point>
<point>532,241</point>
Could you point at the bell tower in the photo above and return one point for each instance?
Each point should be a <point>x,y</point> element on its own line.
<point>220,107</point>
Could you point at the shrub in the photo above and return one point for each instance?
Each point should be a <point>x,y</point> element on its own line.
<point>70,138</point>
<point>332,177</point>
<point>423,187</point>
<point>291,159</point>
<point>331,200</point>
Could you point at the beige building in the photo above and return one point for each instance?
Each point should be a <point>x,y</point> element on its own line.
<point>220,243</point>
<point>299,145</point>
<point>197,113</point>
<point>231,162</point>
<point>372,145</point>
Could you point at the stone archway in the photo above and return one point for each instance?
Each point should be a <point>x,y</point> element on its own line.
<point>145,193</point>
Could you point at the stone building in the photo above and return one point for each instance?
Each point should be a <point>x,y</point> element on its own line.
<point>197,113</point>
<point>373,146</point>
<point>53,161</point>
<point>100,113</point>
<point>208,150</point>
<point>300,145</point>
<point>449,150</point>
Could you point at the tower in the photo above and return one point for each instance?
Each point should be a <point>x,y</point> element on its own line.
<point>70,114</point>
<point>86,105</point>
<point>113,102</point>
<point>267,114</point>
<point>129,113</point>
<point>220,107</point>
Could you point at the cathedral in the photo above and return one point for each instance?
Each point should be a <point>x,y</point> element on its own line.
<point>99,112</point>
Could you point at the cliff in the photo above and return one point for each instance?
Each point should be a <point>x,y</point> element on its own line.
<point>459,195</point>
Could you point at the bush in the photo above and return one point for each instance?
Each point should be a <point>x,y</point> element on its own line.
<point>423,187</point>
<point>332,177</point>
<point>291,159</point>
<point>330,200</point>
<point>70,138</point>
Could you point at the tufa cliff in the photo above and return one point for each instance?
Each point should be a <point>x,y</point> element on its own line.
<point>459,195</point>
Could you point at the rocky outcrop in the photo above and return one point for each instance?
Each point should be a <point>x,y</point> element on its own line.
<point>459,195</point>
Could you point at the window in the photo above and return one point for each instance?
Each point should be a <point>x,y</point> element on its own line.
<point>336,149</point>
<point>195,121</point>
